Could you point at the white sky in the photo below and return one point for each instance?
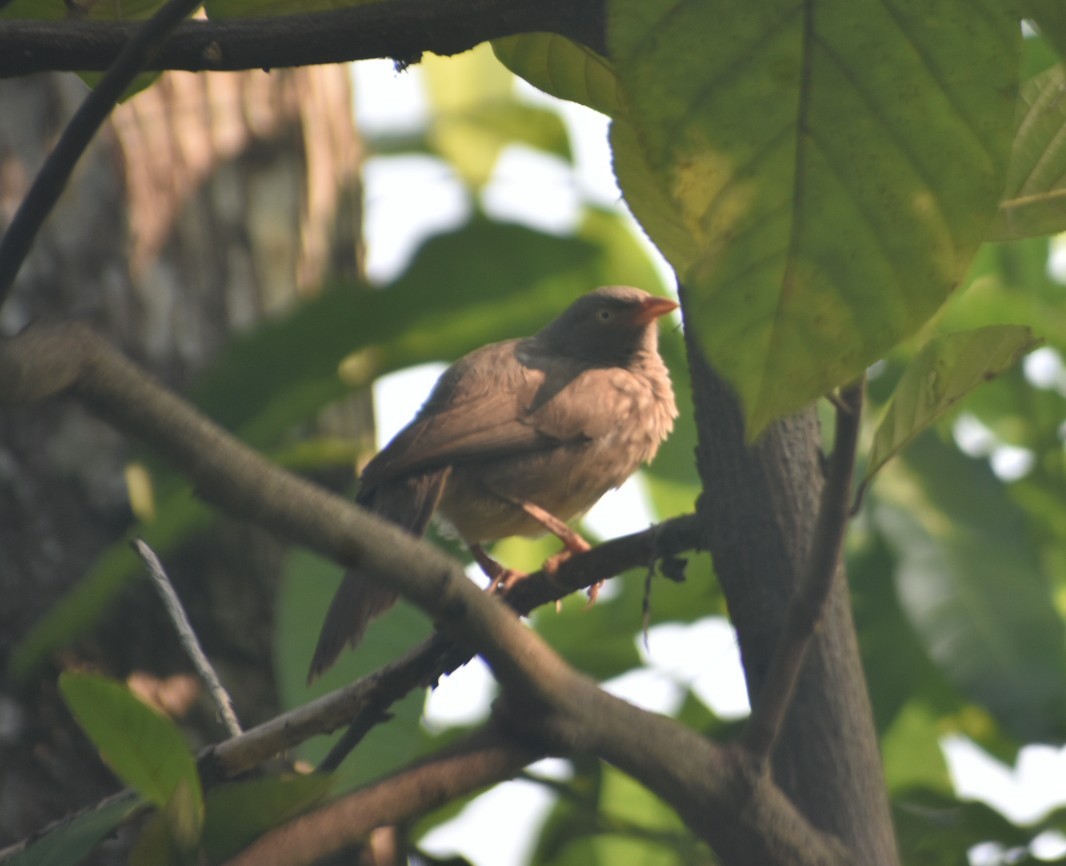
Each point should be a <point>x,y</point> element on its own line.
<point>411,197</point>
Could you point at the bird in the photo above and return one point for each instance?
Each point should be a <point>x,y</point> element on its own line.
<point>518,438</point>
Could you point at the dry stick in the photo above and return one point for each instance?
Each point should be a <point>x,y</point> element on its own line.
<point>187,636</point>
<point>807,606</point>
<point>399,29</point>
<point>141,45</point>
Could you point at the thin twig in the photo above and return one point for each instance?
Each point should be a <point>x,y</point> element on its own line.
<point>187,636</point>
<point>54,174</point>
<point>807,606</point>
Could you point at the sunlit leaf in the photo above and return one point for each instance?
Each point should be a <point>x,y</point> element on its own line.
<point>145,749</point>
<point>562,68</point>
<point>938,377</point>
<point>840,160</point>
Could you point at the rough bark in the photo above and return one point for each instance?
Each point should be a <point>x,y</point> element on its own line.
<point>759,510</point>
<point>207,204</point>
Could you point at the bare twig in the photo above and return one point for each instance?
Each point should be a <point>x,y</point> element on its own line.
<point>399,29</point>
<point>138,46</point>
<point>187,636</point>
<point>808,602</point>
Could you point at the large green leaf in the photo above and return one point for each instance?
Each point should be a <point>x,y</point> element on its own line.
<point>1034,199</point>
<point>145,749</point>
<point>837,164</point>
<point>939,376</point>
<point>969,578</point>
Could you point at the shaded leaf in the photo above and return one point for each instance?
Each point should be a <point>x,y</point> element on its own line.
<point>1050,17</point>
<point>937,829</point>
<point>971,584</point>
<point>239,812</point>
<point>72,842</point>
<point>941,374</point>
<point>1034,198</point>
<point>307,585</point>
<point>840,160</point>
<point>562,68</point>
<point>145,749</point>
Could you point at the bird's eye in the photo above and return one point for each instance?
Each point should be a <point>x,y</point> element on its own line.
<point>604,315</point>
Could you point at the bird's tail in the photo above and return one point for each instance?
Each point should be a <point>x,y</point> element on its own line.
<point>363,595</point>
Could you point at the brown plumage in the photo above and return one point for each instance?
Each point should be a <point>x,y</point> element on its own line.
<point>549,423</point>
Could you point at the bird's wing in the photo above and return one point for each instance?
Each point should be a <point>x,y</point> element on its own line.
<point>490,404</point>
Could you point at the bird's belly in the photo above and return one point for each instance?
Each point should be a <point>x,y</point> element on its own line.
<point>480,498</point>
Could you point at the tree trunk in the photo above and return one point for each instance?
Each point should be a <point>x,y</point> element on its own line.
<point>759,508</point>
<point>208,203</point>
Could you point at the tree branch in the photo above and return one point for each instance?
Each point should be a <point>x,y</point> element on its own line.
<point>398,29</point>
<point>807,606</point>
<point>480,759</point>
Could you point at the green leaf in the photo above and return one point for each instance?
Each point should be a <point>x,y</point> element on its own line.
<point>239,812</point>
<point>562,68</point>
<point>1050,17</point>
<point>679,241</point>
<point>837,163</point>
<point>1034,198</point>
<point>970,581</point>
<point>308,583</point>
<point>478,115</point>
<point>911,751</point>
<point>937,829</point>
<point>145,749</point>
<point>938,377</point>
<point>72,842</point>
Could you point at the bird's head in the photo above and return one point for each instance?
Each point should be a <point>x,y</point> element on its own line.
<point>608,326</point>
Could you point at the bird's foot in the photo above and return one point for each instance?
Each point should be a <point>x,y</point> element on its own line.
<point>500,577</point>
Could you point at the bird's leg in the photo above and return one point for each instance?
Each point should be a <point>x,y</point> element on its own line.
<point>497,574</point>
<point>573,542</point>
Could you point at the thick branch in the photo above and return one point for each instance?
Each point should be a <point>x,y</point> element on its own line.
<point>398,29</point>
<point>808,603</point>
<point>481,759</point>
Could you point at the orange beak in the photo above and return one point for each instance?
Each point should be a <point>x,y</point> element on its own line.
<point>652,308</point>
